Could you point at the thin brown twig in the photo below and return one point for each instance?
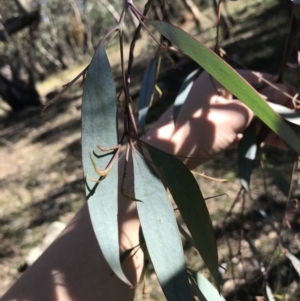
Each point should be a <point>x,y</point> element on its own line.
<point>236,200</point>
<point>208,177</point>
<point>135,12</point>
<point>65,88</point>
<point>83,72</point>
<point>218,26</point>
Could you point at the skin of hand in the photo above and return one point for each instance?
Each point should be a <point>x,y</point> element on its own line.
<point>73,267</point>
<point>208,123</point>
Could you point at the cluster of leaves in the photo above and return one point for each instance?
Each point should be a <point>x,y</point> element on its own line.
<point>101,146</point>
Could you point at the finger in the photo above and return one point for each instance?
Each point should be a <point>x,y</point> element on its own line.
<point>229,115</point>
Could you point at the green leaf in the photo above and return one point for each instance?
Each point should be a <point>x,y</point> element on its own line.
<point>147,89</point>
<point>184,92</point>
<point>99,128</point>
<point>160,231</point>
<point>188,197</point>
<point>247,150</point>
<point>230,79</point>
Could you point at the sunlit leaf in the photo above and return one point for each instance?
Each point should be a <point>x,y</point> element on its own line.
<point>230,79</point>
<point>183,92</point>
<point>269,293</point>
<point>294,260</point>
<point>99,128</point>
<point>208,290</point>
<point>204,290</point>
<point>160,231</point>
<point>247,150</point>
<point>196,290</point>
<point>188,197</point>
<point>286,113</point>
<point>147,88</point>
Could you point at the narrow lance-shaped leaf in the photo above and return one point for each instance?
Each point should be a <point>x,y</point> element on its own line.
<point>269,293</point>
<point>208,290</point>
<point>147,89</point>
<point>196,290</point>
<point>184,92</point>
<point>230,79</point>
<point>294,260</point>
<point>247,150</point>
<point>188,197</point>
<point>99,128</point>
<point>286,113</point>
<point>160,231</point>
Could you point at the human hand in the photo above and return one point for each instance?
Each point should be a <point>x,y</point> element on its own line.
<point>211,120</point>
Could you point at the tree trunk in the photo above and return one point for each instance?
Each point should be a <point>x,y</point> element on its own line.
<point>16,91</point>
<point>18,94</point>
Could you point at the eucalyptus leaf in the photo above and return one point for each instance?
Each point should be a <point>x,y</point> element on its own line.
<point>294,260</point>
<point>191,204</point>
<point>269,293</point>
<point>286,113</point>
<point>160,231</point>
<point>184,92</point>
<point>197,291</point>
<point>208,290</point>
<point>247,150</point>
<point>147,88</point>
<point>230,79</point>
<point>99,128</point>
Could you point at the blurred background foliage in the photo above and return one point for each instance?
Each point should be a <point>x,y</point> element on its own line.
<point>40,37</point>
